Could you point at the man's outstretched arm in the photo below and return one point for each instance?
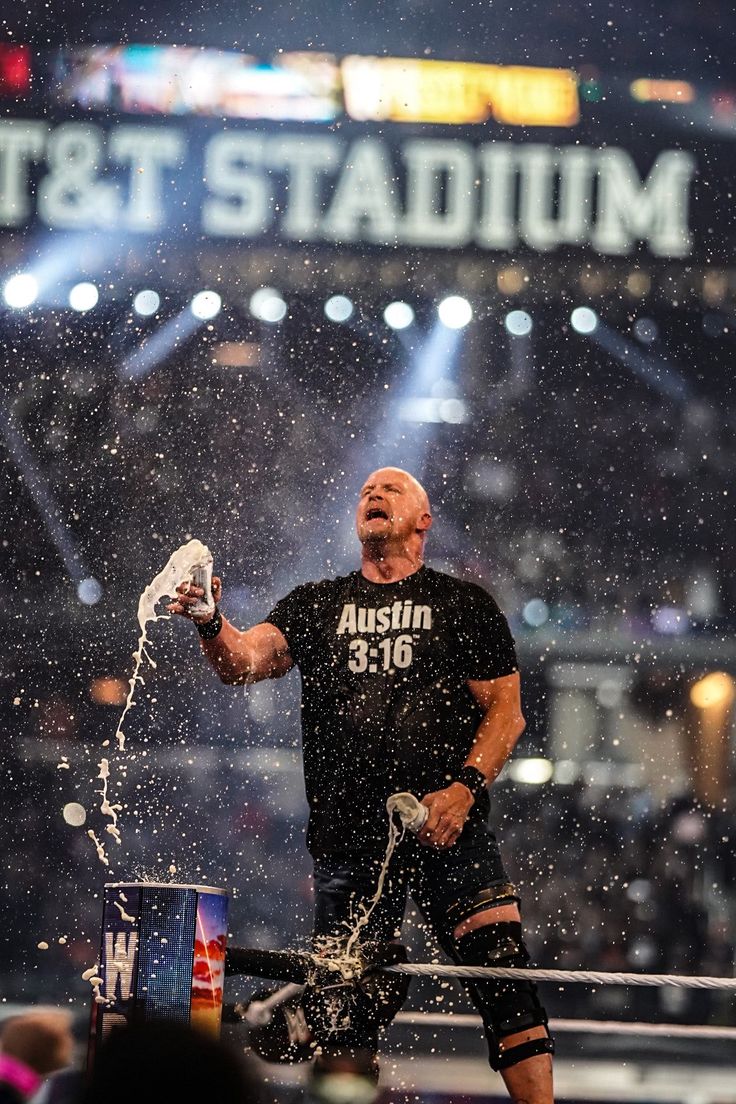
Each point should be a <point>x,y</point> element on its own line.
<point>238,657</point>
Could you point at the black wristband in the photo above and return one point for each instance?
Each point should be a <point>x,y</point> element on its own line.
<point>474,779</point>
<point>208,630</point>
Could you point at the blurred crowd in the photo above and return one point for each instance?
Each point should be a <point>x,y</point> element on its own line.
<point>609,880</point>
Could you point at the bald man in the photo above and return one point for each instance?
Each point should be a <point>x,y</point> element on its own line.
<point>409,682</point>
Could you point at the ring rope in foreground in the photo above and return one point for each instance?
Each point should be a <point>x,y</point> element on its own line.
<point>258,1013</point>
<point>582,977</point>
<point>588,1027</point>
<point>293,966</point>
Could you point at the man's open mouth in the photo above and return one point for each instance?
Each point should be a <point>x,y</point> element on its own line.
<point>376,512</point>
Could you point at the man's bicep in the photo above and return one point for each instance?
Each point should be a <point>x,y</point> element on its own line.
<point>502,692</point>
<point>268,653</point>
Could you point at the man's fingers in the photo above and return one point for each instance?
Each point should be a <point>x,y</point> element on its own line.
<point>188,596</point>
<point>437,831</point>
<point>192,594</point>
<point>447,833</point>
<point>433,817</point>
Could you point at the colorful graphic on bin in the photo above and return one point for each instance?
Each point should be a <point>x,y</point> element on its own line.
<point>162,955</point>
<point>208,970</point>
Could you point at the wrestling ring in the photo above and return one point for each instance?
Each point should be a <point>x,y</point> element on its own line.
<point>433,1052</point>
<point>607,1060</point>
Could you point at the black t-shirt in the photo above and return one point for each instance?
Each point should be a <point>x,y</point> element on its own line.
<point>385,704</point>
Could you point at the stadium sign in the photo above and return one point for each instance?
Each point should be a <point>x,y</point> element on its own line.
<point>245,184</point>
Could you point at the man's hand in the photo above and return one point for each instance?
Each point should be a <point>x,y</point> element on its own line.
<point>448,811</point>
<point>187,595</point>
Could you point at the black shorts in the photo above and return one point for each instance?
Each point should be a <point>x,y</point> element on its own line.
<point>435,880</point>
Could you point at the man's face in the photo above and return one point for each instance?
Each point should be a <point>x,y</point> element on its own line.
<point>391,506</point>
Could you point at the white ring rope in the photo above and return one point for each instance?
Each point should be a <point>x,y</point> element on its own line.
<point>259,1013</point>
<point>583,977</point>
<point>590,1027</point>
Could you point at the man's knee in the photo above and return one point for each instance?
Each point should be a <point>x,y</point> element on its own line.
<point>486,931</point>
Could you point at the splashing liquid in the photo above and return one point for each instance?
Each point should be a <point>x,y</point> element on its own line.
<point>179,569</point>
<point>344,956</point>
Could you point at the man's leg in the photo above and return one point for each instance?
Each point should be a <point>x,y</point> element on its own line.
<point>342,887</point>
<point>519,1044</point>
<point>474,911</point>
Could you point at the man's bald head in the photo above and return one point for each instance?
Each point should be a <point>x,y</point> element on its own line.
<point>41,1039</point>
<point>405,477</point>
<point>393,506</point>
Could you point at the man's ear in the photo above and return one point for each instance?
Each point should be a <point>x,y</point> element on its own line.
<point>424,523</point>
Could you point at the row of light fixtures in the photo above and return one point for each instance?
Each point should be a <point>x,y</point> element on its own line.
<point>268,305</point>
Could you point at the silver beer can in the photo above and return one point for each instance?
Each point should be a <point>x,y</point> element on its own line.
<point>202,578</point>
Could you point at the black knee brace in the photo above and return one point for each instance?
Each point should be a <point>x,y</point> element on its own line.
<point>507,1007</point>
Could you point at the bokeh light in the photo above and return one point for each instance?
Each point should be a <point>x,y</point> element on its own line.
<point>455,312</point>
<point>20,290</point>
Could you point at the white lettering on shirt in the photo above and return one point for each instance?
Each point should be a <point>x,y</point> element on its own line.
<point>367,620</point>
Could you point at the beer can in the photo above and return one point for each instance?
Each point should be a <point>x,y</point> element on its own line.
<point>202,577</point>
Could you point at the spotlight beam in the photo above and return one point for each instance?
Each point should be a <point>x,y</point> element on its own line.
<point>158,345</point>
<point>43,497</point>
<point>659,374</point>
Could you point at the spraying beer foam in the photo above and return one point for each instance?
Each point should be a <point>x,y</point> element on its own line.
<point>342,952</point>
<point>179,569</point>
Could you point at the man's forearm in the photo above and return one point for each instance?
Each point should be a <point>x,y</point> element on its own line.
<point>228,654</point>
<point>494,741</point>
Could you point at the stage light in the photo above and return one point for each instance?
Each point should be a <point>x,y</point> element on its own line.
<point>535,612</point>
<point>566,772</point>
<point>206,305</point>
<point>146,302</point>
<point>714,689</point>
<point>20,290</point>
<point>108,690</point>
<point>267,305</point>
<point>584,320</point>
<point>455,312</point>
<point>74,814</point>
<point>83,297</point>
<point>670,621</point>
<point>531,772</point>
<point>398,315</point>
<point>338,308</point>
<point>237,354</point>
<point>89,591</point>
<point>518,323</point>
<point>453,411</point>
